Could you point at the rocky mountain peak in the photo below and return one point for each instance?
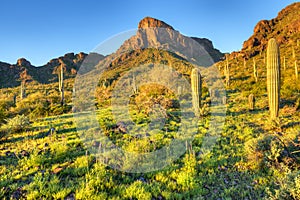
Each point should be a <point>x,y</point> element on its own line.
<point>149,22</point>
<point>23,62</point>
<point>153,33</point>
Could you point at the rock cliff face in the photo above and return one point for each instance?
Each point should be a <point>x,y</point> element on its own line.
<point>208,46</point>
<point>153,33</point>
<point>284,27</point>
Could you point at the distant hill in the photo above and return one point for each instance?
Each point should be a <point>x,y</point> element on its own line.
<point>41,74</point>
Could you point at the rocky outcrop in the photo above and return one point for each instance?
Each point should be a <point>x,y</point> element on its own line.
<point>149,22</point>
<point>22,62</point>
<point>283,27</point>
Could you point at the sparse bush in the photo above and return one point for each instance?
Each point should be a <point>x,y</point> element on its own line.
<point>138,190</point>
<point>204,110</point>
<point>59,110</point>
<point>2,116</point>
<point>16,124</point>
<point>289,188</point>
<point>263,151</point>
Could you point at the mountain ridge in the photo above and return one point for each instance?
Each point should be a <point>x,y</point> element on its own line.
<point>23,69</point>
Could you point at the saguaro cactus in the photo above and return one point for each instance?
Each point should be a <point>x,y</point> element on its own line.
<point>255,73</point>
<point>15,99</point>
<point>196,84</point>
<point>296,70</point>
<point>251,100</point>
<point>22,90</point>
<point>227,72</point>
<point>134,86</point>
<point>293,52</point>
<point>295,61</point>
<point>284,63</point>
<point>273,77</point>
<point>61,84</point>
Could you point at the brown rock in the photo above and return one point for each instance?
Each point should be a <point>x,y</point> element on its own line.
<point>149,22</point>
<point>263,26</point>
<point>57,170</point>
<point>121,126</point>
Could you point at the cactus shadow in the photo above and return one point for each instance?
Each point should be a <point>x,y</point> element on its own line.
<point>247,110</point>
<point>18,139</point>
<point>257,128</point>
<point>243,78</point>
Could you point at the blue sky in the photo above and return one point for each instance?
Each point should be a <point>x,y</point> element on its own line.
<point>40,30</point>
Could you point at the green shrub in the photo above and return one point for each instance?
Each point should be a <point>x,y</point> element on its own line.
<point>59,110</point>
<point>288,188</point>
<point>263,151</point>
<point>137,190</point>
<point>17,124</point>
<point>2,116</point>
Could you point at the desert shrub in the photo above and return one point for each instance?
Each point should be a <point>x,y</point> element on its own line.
<point>264,151</point>
<point>35,104</point>
<point>43,185</point>
<point>152,95</point>
<point>58,109</point>
<point>16,124</point>
<point>137,190</point>
<point>288,188</point>
<point>204,110</point>
<point>2,116</point>
<point>5,104</point>
<point>41,110</point>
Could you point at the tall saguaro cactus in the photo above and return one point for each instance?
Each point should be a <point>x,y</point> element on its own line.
<point>284,63</point>
<point>273,77</point>
<point>227,72</point>
<point>22,90</point>
<point>196,84</point>
<point>251,100</point>
<point>296,69</point>
<point>255,73</point>
<point>61,84</point>
<point>295,61</point>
